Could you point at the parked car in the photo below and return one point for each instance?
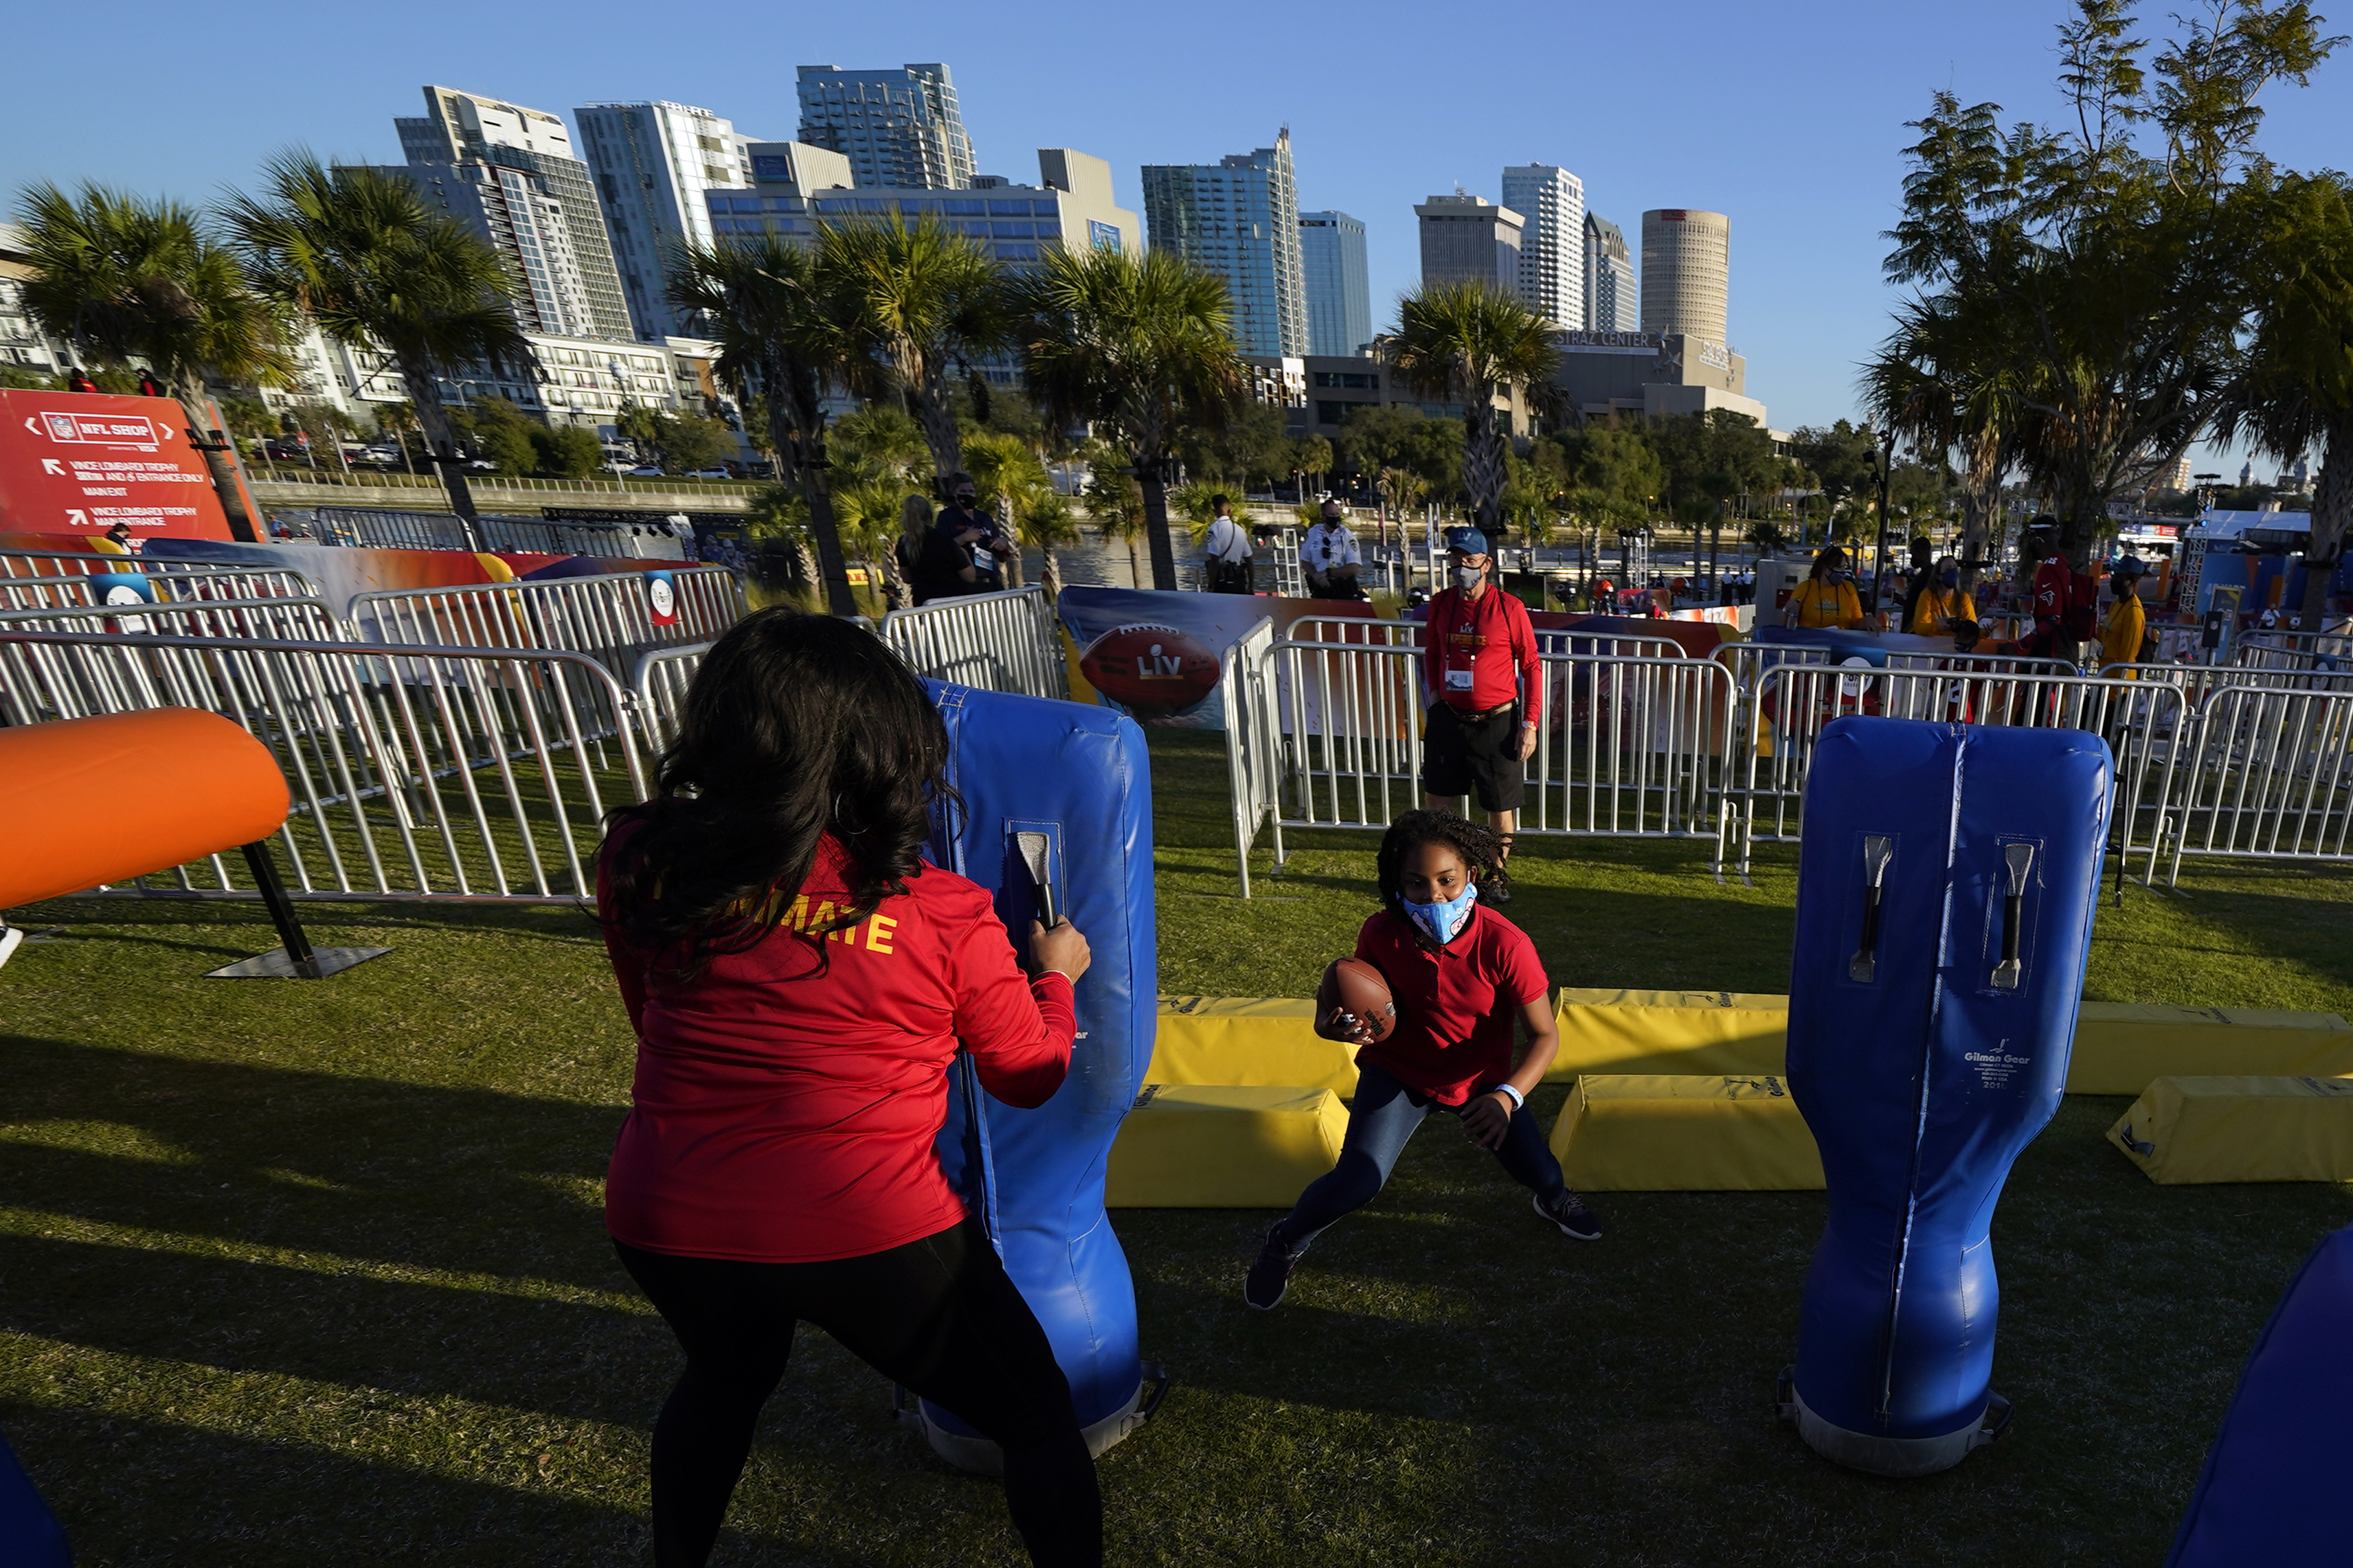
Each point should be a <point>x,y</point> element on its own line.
<point>645,471</point>
<point>287,451</point>
<point>711,473</point>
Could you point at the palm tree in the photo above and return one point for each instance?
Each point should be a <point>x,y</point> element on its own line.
<point>1944,379</point>
<point>2297,388</point>
<point>1115,502</point>
<point>1045,523</point>
<point>783,339</point>
<point>1140,345</point>
<point>923,300</point>
<point>867,500</point>
<point>126,278</point>
<point>1009,478</point>
<point>1466,342</point>
<point>358,252</point>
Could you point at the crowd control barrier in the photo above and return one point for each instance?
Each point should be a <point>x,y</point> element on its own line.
<point>415,771</point>
<point>275,620</point>
<point>2325,652</point>
<point>992,642</point>
<point>381,529</point>
<point>1946,885</point>
<point>614,617</point>
<point>2269,776</point>
<point>51,579</point>
<point>1080,778</point>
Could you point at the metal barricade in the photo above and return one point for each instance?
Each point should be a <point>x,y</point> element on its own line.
<point>47,579</point>
<point>382,528</point>
<point>2322,652</point>
<point>659,684</point>
<point>1628,746</point>
<point>2269,777</point>
<point>415,773</point>
<point>994,642</point>
<point>610,616</point>
<point>272,619</point>
<point>2144,723</point>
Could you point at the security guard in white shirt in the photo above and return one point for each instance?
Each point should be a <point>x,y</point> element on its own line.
<point>1329,556</point>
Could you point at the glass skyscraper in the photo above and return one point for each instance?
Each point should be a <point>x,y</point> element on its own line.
<point>900,129</point>
<point>1239,217</point>
<point>1609,303</point>
<point>653,161</point>
<point>1339,284</point>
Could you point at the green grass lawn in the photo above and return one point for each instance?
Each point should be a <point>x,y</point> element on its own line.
<point>310,1273</point>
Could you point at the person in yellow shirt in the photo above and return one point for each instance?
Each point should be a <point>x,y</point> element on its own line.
<point>1826,598</point>
<point>1941,602</point>
<point>2121,634</point>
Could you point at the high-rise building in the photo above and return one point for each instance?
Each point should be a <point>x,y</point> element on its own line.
<point>652,163</point>
<point>900,129</point>
<point>1609,301</point>
<point>1239,217</point>
<point>1467,238</point>
<point>1339,284</point>
<point>1551,205</point>
<point>509,173</point>
<point>1687,272</point>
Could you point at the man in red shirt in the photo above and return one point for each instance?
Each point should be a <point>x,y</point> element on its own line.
<point>1484,692</point>
<point>2060,603</point>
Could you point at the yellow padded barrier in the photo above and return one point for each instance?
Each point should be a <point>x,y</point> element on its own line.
<point>1679,1132</point>
<point>2185,1129</point>
<point>1223,1147</point>
<point>2120,1047</point>
<point>1248,1040</point>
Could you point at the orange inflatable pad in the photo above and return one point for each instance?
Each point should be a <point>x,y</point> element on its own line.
<point>91,801</point>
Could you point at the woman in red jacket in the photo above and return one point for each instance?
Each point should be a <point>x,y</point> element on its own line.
<point>800,981</point>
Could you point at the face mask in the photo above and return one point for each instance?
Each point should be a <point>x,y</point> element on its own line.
<point>1444,921</point>
<point>1950,579</point>
<point>1468,577</point>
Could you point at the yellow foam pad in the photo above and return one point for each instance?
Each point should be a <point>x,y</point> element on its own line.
<point>1248,1040</point>
<point>1213,1146</point>
<point>2280,1129</point>
<point>1684,1132</point>
<point>1713,1032</point>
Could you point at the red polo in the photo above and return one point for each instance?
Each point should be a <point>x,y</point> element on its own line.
<point>1456,1005</point>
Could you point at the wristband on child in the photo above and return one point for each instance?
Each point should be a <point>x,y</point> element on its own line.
<point>1518,1099</point>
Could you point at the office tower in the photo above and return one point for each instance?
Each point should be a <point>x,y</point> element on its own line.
<point>1551,205</point>
<point>1339,284</point>
<point>1687,272</point>
<point>1609,278</point>
<point>1239,217</point>
<point>652,163</point>
<point>1467,238</point>
<point>509,173</point>
<point>899,129</point>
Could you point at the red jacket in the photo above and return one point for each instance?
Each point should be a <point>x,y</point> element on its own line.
<point>1492,641</point>
<point>785,1102</point>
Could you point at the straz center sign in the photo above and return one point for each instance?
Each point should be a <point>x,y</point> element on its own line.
<point>81,462</point>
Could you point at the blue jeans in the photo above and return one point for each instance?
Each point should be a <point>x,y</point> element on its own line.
<point>1381,1121</point>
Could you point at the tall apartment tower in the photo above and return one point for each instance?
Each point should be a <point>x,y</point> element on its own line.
<point>1609,278</point>
<point>899,127</point>
<point>509,173</point>
<point>652,163</point>
<point>1551,205</point>
<point>1467,238</point>
<point>1239,217</point>
<point>1339,283</point>
<point>1687,272</point>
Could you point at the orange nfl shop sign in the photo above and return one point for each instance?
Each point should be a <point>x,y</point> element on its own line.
<point>80,462</point>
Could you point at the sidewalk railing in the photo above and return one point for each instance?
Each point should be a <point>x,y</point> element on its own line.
<point>415,771</point>
<point>995,642</point>
<point>380,528</point>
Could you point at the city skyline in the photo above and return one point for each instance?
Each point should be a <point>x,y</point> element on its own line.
<point>1810,177</point>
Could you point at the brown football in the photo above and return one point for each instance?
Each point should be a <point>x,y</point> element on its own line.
<point>1352,985</point>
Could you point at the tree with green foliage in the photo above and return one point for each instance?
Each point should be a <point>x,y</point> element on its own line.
<point>1313,455</point>
<point>1467,343</point>
<point>885,434</point>
<point>1248,449</point>
<point>1115,503</point>
<point>132,281</point>
<point>783,339</point>
<point>357,251</point>
<point>1143,347</point>
<point>922,300</point>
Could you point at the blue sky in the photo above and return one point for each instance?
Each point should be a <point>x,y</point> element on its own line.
<point>1787,117</point>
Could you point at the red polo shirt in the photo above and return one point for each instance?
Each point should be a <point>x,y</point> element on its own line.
<point>1491,639</point>
<point>1456,1005</point>
<point>785,1102</point>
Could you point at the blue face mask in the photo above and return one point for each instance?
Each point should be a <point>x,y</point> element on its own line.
<point>1950,579</point>
<point>1443,921</point>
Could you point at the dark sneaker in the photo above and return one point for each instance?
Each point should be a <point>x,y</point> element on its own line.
<point>1568,1212</point>
<point>1497,892</point>
<point>1269,1277</point>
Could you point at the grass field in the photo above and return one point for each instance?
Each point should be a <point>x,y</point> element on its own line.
<point>313,1273</point>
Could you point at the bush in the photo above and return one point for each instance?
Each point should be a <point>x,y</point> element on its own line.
<point>570,453</point>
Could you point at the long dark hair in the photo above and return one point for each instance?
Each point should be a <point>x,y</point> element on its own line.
<point>796,727</point>
<point>1830,558</point>
<point>1480,849</point>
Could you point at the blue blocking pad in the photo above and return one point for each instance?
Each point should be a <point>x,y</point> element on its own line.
<point>30,1536</point>
<point>2270,1494</point>
<point>1945,888</point>
<point>1080,775</point>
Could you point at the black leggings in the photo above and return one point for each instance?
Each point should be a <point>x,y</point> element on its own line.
<point>938,1316</point>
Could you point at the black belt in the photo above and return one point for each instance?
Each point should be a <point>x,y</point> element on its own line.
<point>1483,714</point>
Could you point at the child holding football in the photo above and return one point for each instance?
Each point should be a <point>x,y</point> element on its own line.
<point>1461,975</point>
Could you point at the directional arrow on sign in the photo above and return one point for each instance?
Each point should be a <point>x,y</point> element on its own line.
<point>78,518</point>
<point>51,466</point>
<point>30,426</point>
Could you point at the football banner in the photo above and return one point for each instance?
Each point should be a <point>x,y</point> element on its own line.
<point>1156,655</point>
<point>80,462</point>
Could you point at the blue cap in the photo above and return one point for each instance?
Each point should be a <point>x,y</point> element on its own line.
<point>1469,541</point>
